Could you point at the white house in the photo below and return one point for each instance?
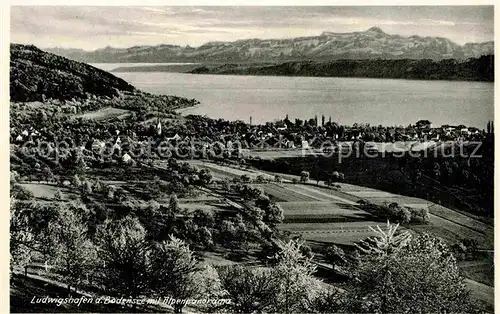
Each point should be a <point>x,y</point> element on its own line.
<point>176,137</point>
<point>126,158</point>
<point>158,128</point>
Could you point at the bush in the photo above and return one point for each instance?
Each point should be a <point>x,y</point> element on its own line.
<point>19,192</point>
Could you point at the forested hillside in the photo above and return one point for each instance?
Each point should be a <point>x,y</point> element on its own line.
<point>36,75</point>
<point>474,69</point>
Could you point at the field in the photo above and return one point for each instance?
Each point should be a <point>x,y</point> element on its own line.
<point>483,293</point>
<point>446,223</point>
<point>345,233</point>
<point>282,194</point>
<point>44,191</point>
<point>105,114</point>
<point>321,211</point>
<point>482,271</point>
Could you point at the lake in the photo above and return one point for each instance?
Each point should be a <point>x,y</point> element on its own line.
<point>346,100</point>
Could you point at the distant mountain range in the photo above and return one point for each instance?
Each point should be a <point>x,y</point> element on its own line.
<point>370,44</point>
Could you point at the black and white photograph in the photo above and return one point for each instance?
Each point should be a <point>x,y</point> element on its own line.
<point>251,158</point>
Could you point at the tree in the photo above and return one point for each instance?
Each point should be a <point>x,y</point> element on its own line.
<point>58,196</point>
<point>14,176</point>
<point>403,272</point>
<point>424,215</point>
<point>124,257</point>
<point>304,176</point>
<point>329,301</point>
<point>74,252</point>
<point>274,215</point>
<point>399,213</point>
<point>173,206</point>
<point>153,206</point>
<point>209,286</point>
<point>260,179</point>
<point>29,230</point>
<point>98,186</point>
<point>294,286</point>
<point>19,192</point>
<point>263,202</point>
<point>22,234</point>
<point>111,192</point>
<point>250,290</point>
<point>203,219</point>
<point>225,184</point>
<point>335,255</point>
<point>422,123</point>
<point>255,213</point>
<point>86,187</point>
<point>47,174</point>
<point>76,181</point>
<point>228,234</point>
<point>245,178</point>
<point>405,215</point>
<point>341,176</point>
<point>278,178</point>
<point>385,242</point>
<point>205,177</point>
<point>204,237</point>
<point>173,265</point>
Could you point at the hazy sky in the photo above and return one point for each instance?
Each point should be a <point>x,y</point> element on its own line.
<point>96,27</point>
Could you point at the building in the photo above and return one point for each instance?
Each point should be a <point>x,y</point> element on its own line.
<point>423,124</point>
<point>126,158</point>
<point>158,128</point>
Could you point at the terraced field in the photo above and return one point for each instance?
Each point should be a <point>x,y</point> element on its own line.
<point>345,233</point>
<point>285,194</point>
<point>321,194</point>
<point>322,211</point>
<point>207,208</point>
